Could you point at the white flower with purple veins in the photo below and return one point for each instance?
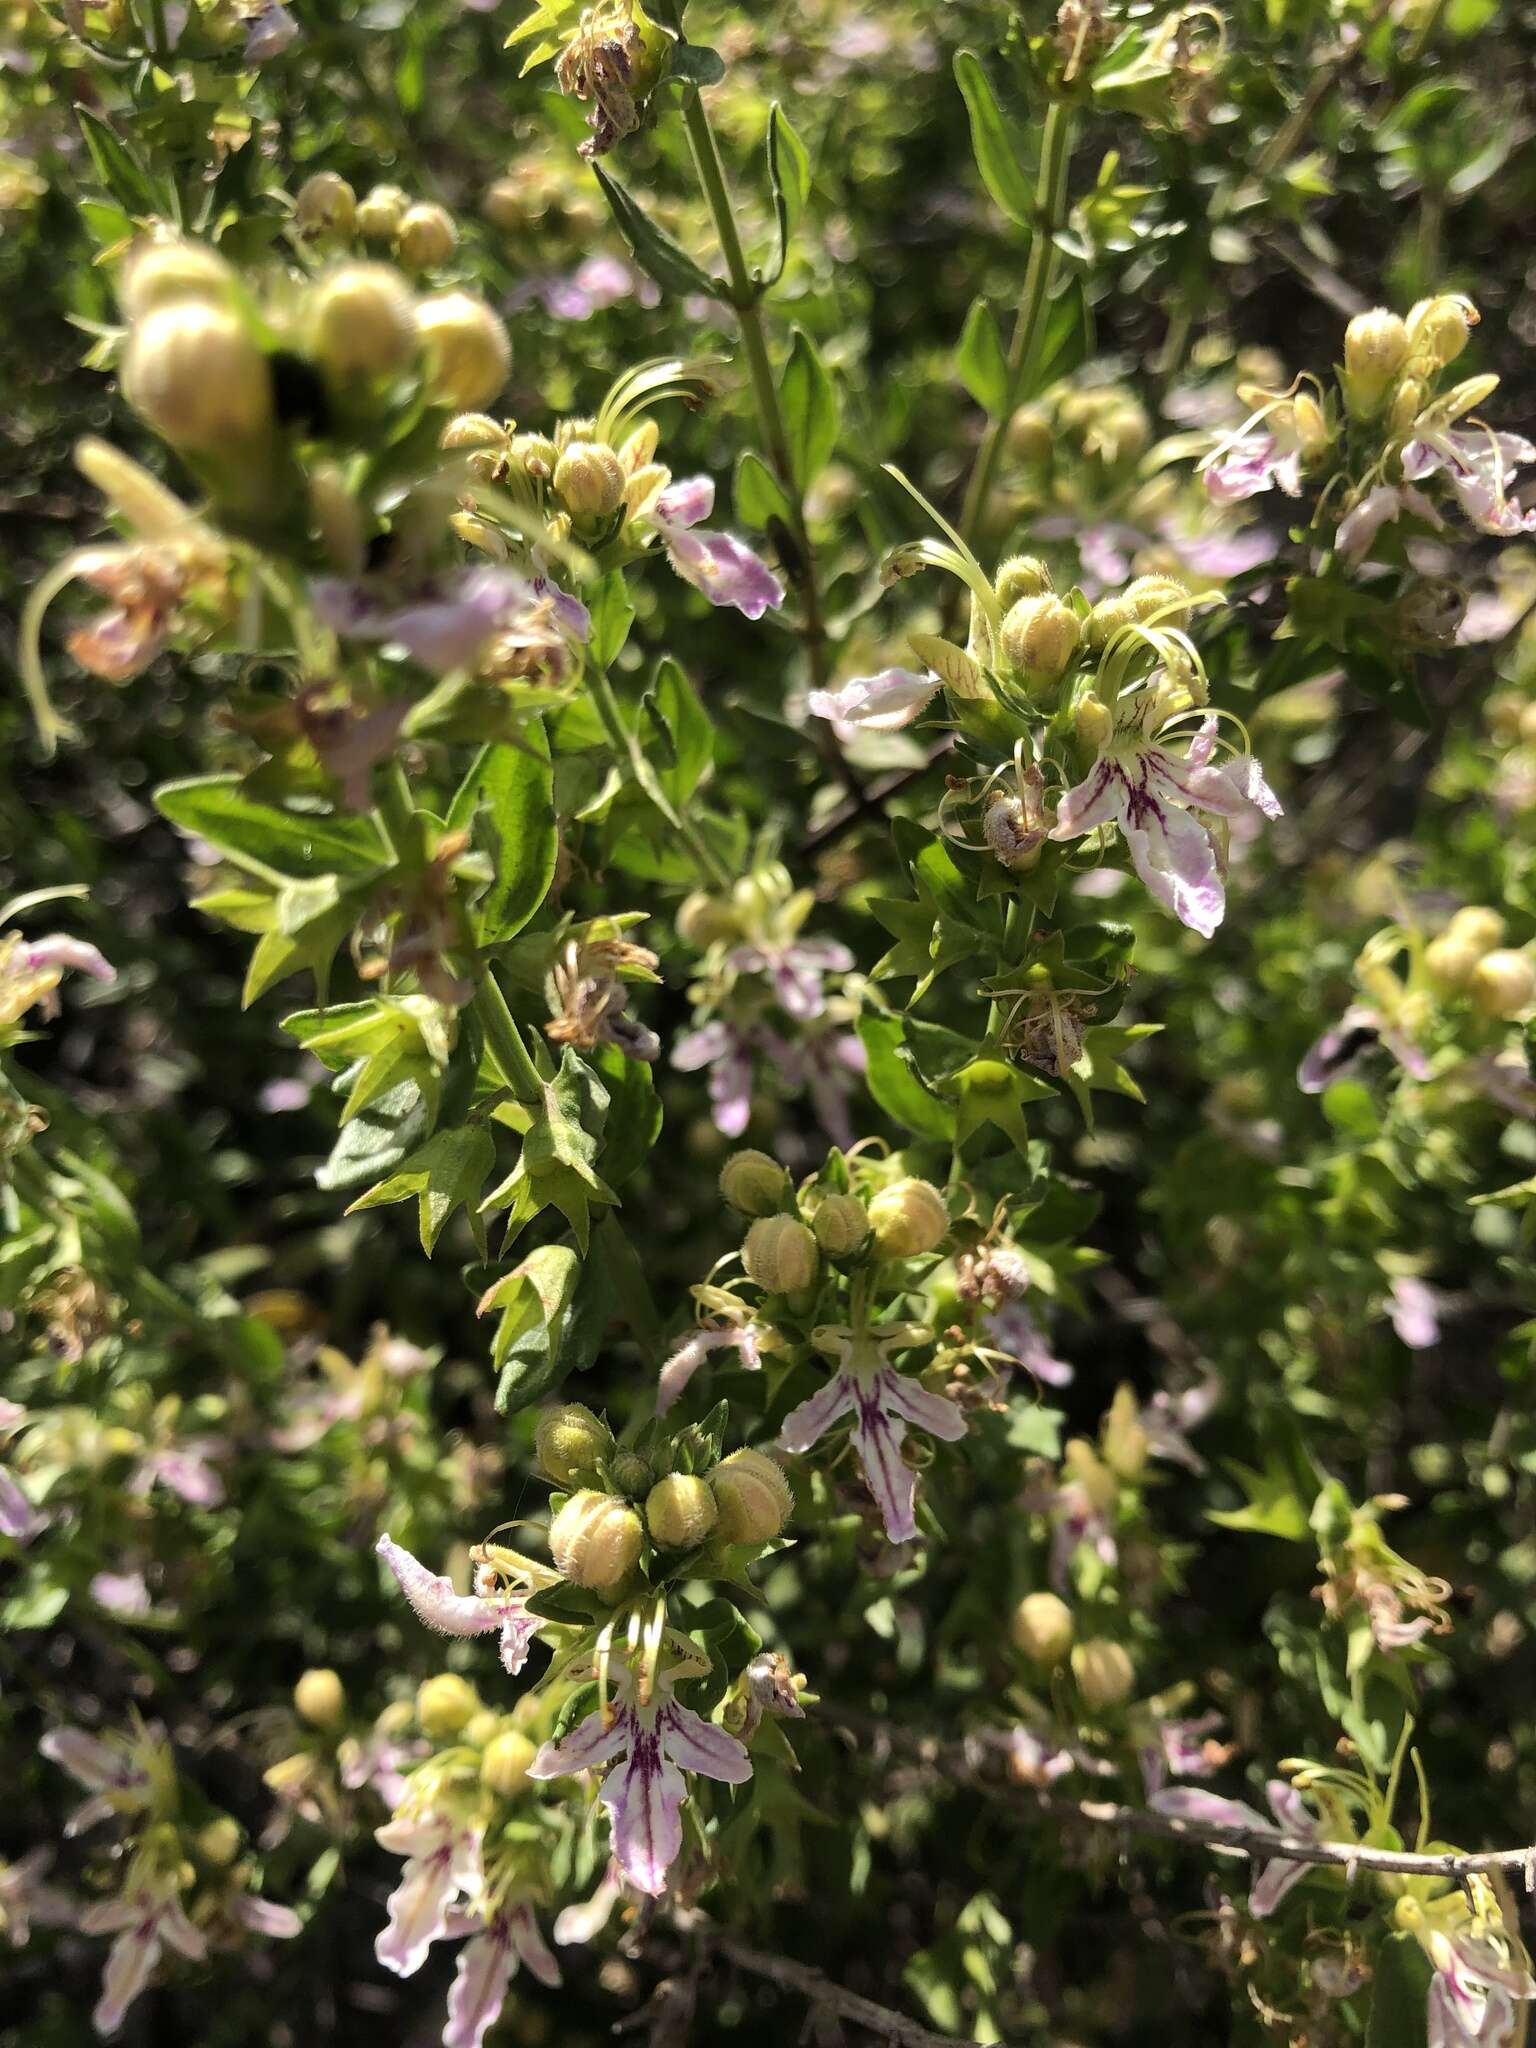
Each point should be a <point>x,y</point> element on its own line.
<point>689,1353</point>
<point>1250,463</point>
<point>115,1770</point>
<point>25,1898</point>
<point>727,1053</point>
<point>1294,1821</point>
<point>650,1742</point>
<point>724,569</point>
<point>67,955</point>
<point>442,1852</point>
<point>1140,786</point>
<point>487,1964</point>
<point>448,622</point>
<point>883,703</point>
<point>1361,524</point>
<point>1012,1330</point>
<point>186,1468</point>
<point>882,1401</point>
<point>491,1607</point>
<point>1472,1993</point>
<point>144,1920</point>
<point>1479,465</point>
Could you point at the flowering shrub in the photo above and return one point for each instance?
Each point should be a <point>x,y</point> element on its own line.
<point>746,1288</point>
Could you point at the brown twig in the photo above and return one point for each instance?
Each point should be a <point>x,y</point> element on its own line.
<point>811,1984</point>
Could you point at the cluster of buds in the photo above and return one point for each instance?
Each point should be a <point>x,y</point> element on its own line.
<point>419,235</point>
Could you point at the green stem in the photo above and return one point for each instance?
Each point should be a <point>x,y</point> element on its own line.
<point>504,1038</point>
<point>1029,325</point>
<point>1324,78</point>
<point>399,816</point>
<point>629,753</point>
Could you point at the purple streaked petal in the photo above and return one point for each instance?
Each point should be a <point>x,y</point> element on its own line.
<point>703,1047</point>
<point>724,569</point>
<point>877,1441</point>
<point>130,1964</point>
<point>644,1798</point>
<point>479,1988</point>
<point>18,1518</point>
<point>1099,799</point>
<point>418,1913</point>
<point>592,1742</point>
<point>1361,524</point>
<point>1193,1802</point>
<point>99,1766</point>
<point>531,1946</point>
<point>686,502</point>
<point>433,1599</point>
<point>1274,1881</point>
<point>730,1093</point>
<point>698,1746</point>
<point>518,1629</point>
<point>1173,854</point>
<point>75,956</point>
<point>930,1412</point>
<point>813,1418</point>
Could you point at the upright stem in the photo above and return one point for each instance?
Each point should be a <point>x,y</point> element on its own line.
<point>631,756</point>
<point>746,298</point>
<point>1029,325</point>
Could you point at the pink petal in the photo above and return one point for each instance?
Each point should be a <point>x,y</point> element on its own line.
<point>930,1412</point>
<point>98,1765</point>
<point>418,1912</point>
<point>180,1933</point>
<point>1099,799</point>
<point>130,1963</point>
<point>589,1744</point>
<point>1173,854</point>
<point>813,1418</point>
<point>877,1439</point>
<point>881,703</point>
<point>530,1945</point>
<point>644,1798</point>
<point>479,1987</point>
<point>433,1599</point>
<point>1192,1802</point>
<point>725,570</point>
<point>265,1916</point>
<point>687,502</point>
<point>1274,1881</point>
<point>697,1745</point>
<point>18,1518</point>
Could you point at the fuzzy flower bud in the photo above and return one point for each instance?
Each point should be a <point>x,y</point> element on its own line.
<point>504,1763</point>
<point>193,373</point>
<point>426,237</point>
<point>589,478</point>
<point>841,1224</point>
<point>320,1698</point>
<point>468,352</point>
<point>1375,349</point>
<point>325,205</point>
<point>445,1705</point>
<point>1092,721</point>
<point>1438,329</point>
<point>1043,1629</point>
<point>166,273</point>
<point>361,323</point>
<point>1311,425</point>
<point>218,1842</point>
<point>379,214</point>
<point>1021,576</point>
<point>908,1218</point>
<point>754,1184</point>
<point>1503,983</point>
<point>1477,926</point>
<point>780,1255</point>
<point>754,1498</point>
<point>630,1474</point>
<point>1104,1672</point>
<point>568,1442</point>
<point>1040,637</point>
<point>702,918</point>
<point>595,1541</point>
<point>1029,436</point>
<point>680,1511</point>
<point>1123,1441</point>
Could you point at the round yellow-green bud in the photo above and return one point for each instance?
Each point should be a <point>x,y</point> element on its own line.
<point>1476,926</point>
<point>1029,436</point>
<point>1375,349</point>
<point>536,454</point>
<point>167,273</point>
<point>380,213</point>
<point>780,1255</point>
<point>1104,1672</point>
<point>218,1842</point>
<point>1092,721</point>
<point>1043,1629</point>
<point>568,1441</point>
<point>1438,328</point>
<point>325,205</point>
<point>468,351</point>
<point>479,1731</point>
<point>504,1762</point>
<point>754,1184</point>
<point>680,1511</point>
<point>362,323</point>
<point>426,237</point>
<point>1503,983</point>
<point>193,373</point>
<point>841,1224</point>
<point>473,430</point>
<point>504,204</point>
<point>1160,600</point>
<point>754,1497</point>
<point>1021,576</point>
<point>1525,724</point>
<point>630,1474</point>
<point>908,1218</point>
<point>1121,434</point>
<point>445,1705</point>
<point>320,1698</point>
<point>702,918</point>
<point>1041,637</point>
<point>595,1541</point>
<point>1451,960</point>
<point>590,480</point>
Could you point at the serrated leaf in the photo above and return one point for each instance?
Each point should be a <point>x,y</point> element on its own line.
<point>445,1174</point>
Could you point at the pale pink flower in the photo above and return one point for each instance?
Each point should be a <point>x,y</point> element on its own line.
<point>653,1744</point>
<point>1248,464</point>
<point>882,1401</point>
<point>1480,466</point>
<point>143,1921</point>
<point>442,1859</point>
<point>25,1899</point>
<point>434,1601</point>
<point>883,703</point>
<point>723,568</point>
<point>690,1352</point>
<point>1293,1820</point>
<point>1472,1993</point>
<point>114,1769</point>
<point>1361,524</point>
<point>487,1964</point>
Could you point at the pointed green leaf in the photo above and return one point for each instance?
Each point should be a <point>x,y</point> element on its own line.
<point>810,410</point>
<point>653,249</point>
<point>789,179</point>
<point>979,360</point>
<point>996,157</point>
<point>284,844</point>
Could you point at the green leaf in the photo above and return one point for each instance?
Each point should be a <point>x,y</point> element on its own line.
<point>1275,1508</point>
<point>555,1309</point>
<point>376,1141</point>
<point>283,844</point>
<point>119,167</point>
<point>789,177</point>
<point>516,790</point>
<point>445,1174</point>
<point>1399,1989</point>
<point>810,410</point>
<point>696,64</point>
<point>760,498</point>
<point>653,249</point>
<point>613,613</point>
<point>979,361</point>
<point>558,1166</point>
<point>671,711</point>
<point>996,158</point>
<point>895,1086</point>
